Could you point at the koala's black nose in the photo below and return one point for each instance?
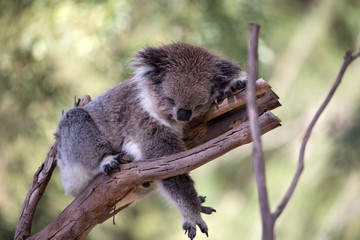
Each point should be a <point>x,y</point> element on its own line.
<point>183,115</point>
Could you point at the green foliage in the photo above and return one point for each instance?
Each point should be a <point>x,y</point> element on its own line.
<point>53,50</point>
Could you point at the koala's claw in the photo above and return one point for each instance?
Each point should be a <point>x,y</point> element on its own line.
<point>110,167</point>
<point>240,84</point>
<point>190,228</point>
<point>203,209</point>
<point>207,210</point>
<point>122,158</point>
<point>204,229</point>
<point>218,97</point>
<point>202,199</point>
<point>228,93</point>
<point>110,164</point>
<point>226,90</point>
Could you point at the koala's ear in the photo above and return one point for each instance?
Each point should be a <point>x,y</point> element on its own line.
<point>151,57</point>
<point>227,69</point>
<point>151,63</point>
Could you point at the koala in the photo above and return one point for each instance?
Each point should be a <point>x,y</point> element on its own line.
<point>144,117</point>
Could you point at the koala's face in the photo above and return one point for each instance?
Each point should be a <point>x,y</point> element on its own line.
<point>184,95</point>
<point>183,80</point>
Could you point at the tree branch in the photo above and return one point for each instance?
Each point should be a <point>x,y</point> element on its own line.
<point>257,154</point>
<point>96,203</point>
<point>37,189</point>
<point>40,180</point>
<point>347,60</point>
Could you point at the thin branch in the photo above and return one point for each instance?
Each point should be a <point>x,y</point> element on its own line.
<point>257,154</point>
<point>347,60</point>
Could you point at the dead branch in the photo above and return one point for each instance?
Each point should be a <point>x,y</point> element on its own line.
<point>257,154</point>
<point>349,57</point>
<point>37,189</point>
<point>268,218</point>
<point>96,203</point>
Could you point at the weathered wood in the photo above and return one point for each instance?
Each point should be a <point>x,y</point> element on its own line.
<point>238,99</point>
<point>37,189</point>
<point>96,203</point>
<point>233,113</point>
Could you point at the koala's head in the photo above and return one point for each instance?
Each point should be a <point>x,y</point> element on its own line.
<point>179,82</point>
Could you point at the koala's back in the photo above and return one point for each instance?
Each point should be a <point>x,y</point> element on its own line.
<point>114,113</point>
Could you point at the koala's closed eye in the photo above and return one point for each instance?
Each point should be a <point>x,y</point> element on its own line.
<point>198,107</point>
<point>170,101</point>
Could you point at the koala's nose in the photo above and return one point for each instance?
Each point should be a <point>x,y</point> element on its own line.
<point>183,115</point>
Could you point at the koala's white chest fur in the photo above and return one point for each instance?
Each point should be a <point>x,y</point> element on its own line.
<point>131,147</point>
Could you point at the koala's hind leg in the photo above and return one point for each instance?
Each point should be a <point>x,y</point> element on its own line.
<point>181,192</point>
<point>82,151</point>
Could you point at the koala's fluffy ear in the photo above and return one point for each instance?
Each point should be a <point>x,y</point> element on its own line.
<point>227,69</point>
<point>153,61</point>
<point>151,57</point>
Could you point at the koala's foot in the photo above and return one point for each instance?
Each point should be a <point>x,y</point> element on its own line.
<point>190,227</point>
<point>206,210</point>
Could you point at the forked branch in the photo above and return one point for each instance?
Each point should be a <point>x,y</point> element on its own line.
<point>268,218</point>
<point>349,57</point>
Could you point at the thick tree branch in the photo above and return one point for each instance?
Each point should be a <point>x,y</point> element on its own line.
<point>257,154</point>
<point>96,203</point>
<point>347,60</point>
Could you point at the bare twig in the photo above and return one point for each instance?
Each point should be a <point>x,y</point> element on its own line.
<point>257,155</point>
<point>347,60</point>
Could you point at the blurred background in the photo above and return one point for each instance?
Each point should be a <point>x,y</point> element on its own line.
<point>52,50</point>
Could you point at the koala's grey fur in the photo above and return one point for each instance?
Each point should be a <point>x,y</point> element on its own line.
<point>144,117</point>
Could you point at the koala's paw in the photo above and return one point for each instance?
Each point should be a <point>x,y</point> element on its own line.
<point>122,158</point>
<point>190,227</point>
<point>110,164</point>
<point>231,86</point>
<point>206,210</point>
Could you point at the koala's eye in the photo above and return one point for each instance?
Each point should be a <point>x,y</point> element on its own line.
<point>198,107</point>
<point>170,101</point>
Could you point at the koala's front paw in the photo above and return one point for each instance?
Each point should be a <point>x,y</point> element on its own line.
<point>190,227</point>
<point>111,163</point>
<point>230,86</point>
<point>206,210</point>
